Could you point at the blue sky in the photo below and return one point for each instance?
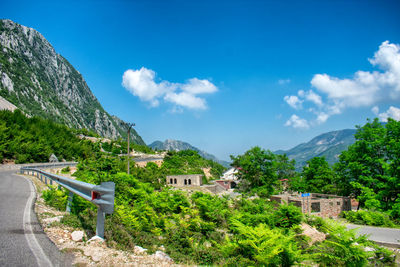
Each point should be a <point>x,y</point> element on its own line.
<point>228,75</point>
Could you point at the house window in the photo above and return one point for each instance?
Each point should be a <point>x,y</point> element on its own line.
<point>190,182</point>
<point>338,203</point>
<point>185,182</point>
<point>175,181</point>
<point>315,207</point>
<point>170,181</point>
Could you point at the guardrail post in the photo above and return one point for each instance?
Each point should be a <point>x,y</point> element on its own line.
<point>45,179</point>
<point>69,202</point>
<point>101,216</point>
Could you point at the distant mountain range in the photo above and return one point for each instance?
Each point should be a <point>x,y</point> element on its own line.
<point>176,145</point>
<point>40,82</point>
<point>328,145</point>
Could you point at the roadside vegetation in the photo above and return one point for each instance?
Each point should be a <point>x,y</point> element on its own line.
<point>201,228</point>
<point>24,139</point>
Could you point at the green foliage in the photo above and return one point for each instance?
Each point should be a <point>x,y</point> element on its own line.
<point>344,248</point>
<point>365,217</point>
<point>65,170</point>
<point>369,169</point>
<point>287,216</point>
<point>55,198</point>
<point>257,170</point>
<point>318,176</point>
<point>261,245</point>
<point>34,139</point>
<point>189,162</point>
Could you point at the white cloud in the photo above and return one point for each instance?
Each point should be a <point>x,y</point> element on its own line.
<point>196,86</point>
<point>313,97</point>
<point>375,110</point>
<point>142,83</point>
<point>283,81</point>
<point>364,89</point>
<point>185,99</point>
<point>297,122</point>
<point>293,101</point>
<point>392,112</point>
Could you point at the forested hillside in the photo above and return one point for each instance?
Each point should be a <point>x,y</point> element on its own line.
<point>24,139</point>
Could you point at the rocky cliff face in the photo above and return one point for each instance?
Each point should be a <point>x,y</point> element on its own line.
<point>41,82</point>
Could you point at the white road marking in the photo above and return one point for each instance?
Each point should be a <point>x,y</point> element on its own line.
<point>41,258</point>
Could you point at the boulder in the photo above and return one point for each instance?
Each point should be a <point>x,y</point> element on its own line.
<point>77,236</point>
<point>53,158</point>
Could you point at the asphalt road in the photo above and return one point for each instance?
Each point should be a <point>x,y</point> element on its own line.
<point>22,240</point>
<point>379,234</point>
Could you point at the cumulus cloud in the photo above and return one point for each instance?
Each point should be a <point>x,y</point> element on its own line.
<point>293,101</point>
<point>142,83</point>
<point>392,112</point>
<point>364,89</point>
<point>297,122</point>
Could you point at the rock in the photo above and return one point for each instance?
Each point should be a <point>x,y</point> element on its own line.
<point>51,220</point>
<point>313,233</point>
<point>368,249</point>
<point>60,241</point>
<point>95,253</point>
<point>77,236</point>
<point>139,250</point>
<point>162,256</point>
<point>96,239</point>
<point>53,158</point>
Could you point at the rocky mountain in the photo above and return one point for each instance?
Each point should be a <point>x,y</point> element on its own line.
<point>328,145</point>
<point>175,145</point>
<point>37,80</point>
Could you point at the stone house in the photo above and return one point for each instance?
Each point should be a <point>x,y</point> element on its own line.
<point>185,180</point>
<point>323,205</point>
<point>227,184</point>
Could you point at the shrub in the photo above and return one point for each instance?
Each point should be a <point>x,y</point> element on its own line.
<point>55,198</point>
<point>374,218</point>
<point>65,170</point>
<point>287,216</point>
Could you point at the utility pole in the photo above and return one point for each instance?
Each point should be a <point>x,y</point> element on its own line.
<point>130,125</point>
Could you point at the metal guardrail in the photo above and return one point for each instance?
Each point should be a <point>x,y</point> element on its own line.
<point>101,195</point>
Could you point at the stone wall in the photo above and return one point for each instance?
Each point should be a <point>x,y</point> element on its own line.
<point>185,180</point>
<point>323,205</point>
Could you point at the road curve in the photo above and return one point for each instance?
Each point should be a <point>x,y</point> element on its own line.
<point>22,240</point>
<point>382,235</point>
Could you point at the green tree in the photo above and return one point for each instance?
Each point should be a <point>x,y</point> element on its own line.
<point>257,170</point>
<point>318,176</point>
<point>370,168</point>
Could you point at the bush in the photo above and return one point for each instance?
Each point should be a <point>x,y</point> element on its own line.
<point>343,247</point>
<point>287,216</point>
<point>65,170</point>
<point>374,218</point>
<point>55,198</point>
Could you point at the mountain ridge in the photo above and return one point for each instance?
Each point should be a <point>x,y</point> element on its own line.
<point>41,82</point>
<point>328,145</point>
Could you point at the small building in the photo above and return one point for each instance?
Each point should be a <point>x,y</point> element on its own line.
<point>323,205</point>
<point>227,184</point>
<point>230,175</point>
<point>185,180</point>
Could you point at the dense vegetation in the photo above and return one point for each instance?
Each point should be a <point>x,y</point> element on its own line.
<point>200,228</point>
<point>369,170</point>
<point>24,139</point>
